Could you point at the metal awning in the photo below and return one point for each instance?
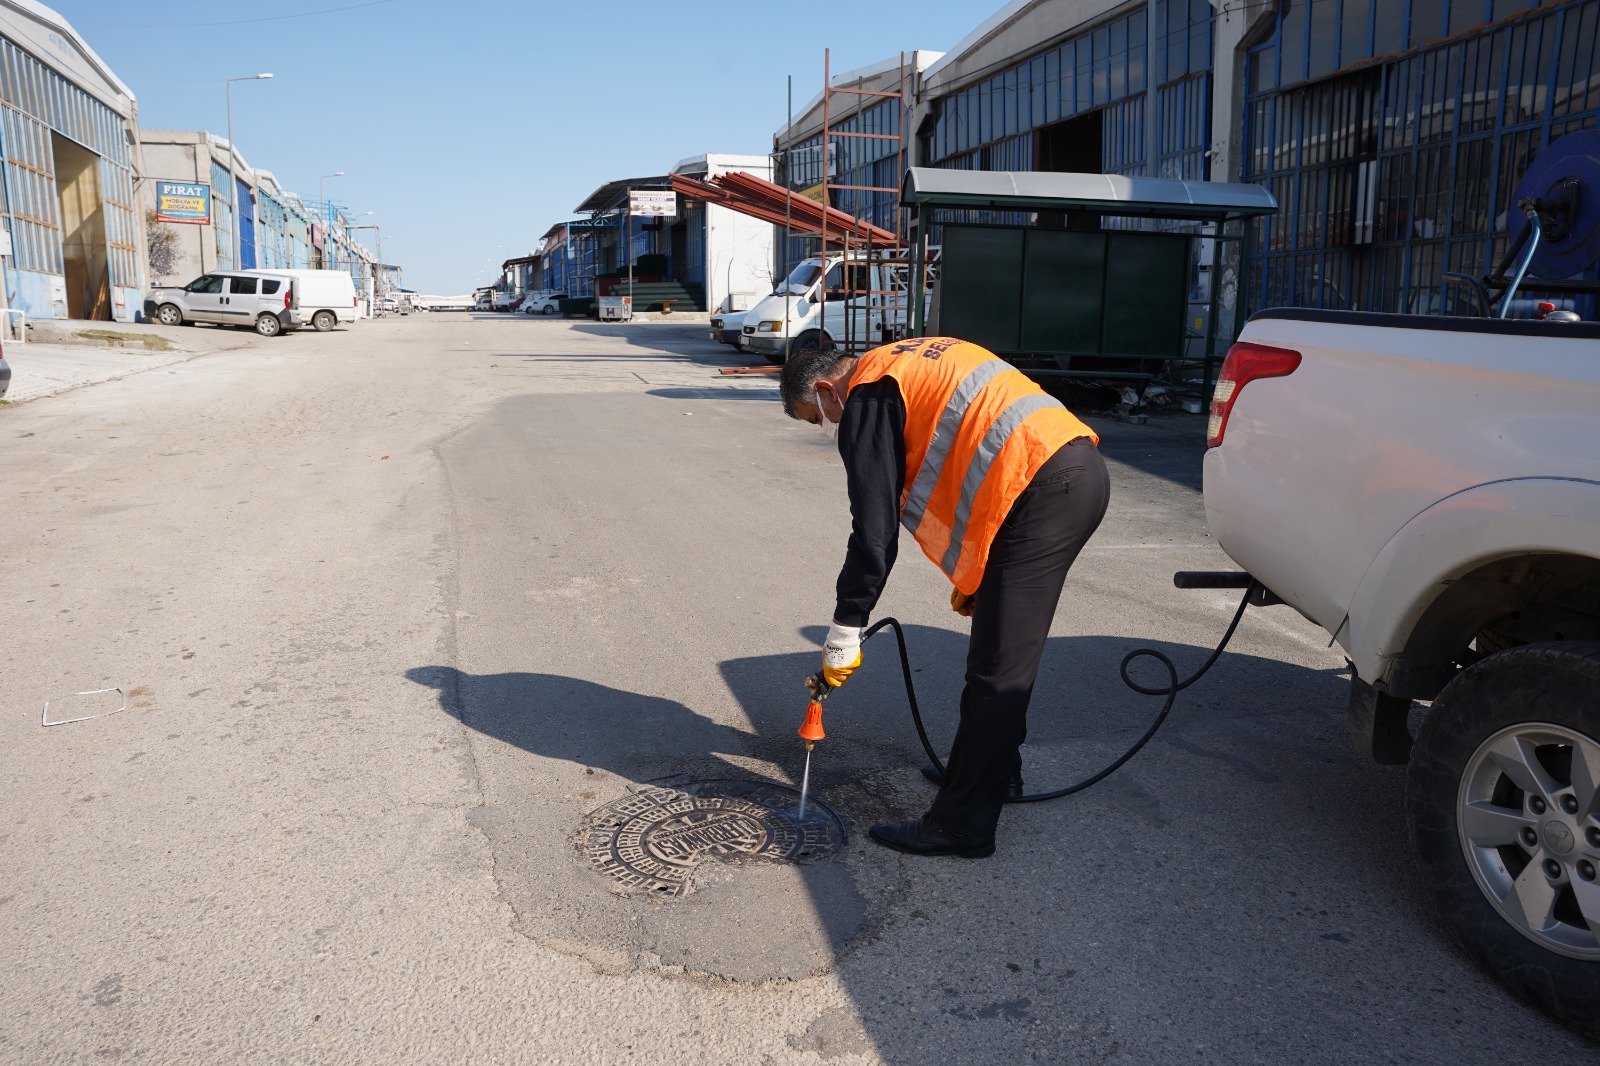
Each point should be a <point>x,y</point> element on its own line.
<point>1110,194</point>
<point>615,193</point>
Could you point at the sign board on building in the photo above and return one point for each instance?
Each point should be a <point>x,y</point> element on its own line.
<point>186,202</point>
<point>653,203</point>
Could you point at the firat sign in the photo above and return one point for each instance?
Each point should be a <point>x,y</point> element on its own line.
<point>184,202</point>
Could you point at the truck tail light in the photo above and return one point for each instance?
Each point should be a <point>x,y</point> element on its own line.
<point>1245,363</point>
<point>288,293</point>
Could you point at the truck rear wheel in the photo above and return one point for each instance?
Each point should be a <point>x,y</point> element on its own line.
<point>324,321</point>
<point>1503,797</point>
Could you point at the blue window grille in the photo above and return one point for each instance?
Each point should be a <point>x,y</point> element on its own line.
<point>1390,171</point>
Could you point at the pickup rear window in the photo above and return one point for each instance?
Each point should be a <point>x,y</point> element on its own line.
<point>268,286</point>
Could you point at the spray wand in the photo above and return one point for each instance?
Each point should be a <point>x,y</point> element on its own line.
<point>811,732</point>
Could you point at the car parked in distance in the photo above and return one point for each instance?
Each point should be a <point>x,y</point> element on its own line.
<point>548,304</point>
<point>267,303</point>
<point>726,327</point>
<point>531,299</point>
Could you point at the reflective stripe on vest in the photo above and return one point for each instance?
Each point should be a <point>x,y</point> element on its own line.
<point>978,469</point>
<point>943,436</point>
<point>976,432</point>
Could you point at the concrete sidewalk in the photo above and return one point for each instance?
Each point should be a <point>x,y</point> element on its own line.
<point>46,369</point>
<point>64,355</point>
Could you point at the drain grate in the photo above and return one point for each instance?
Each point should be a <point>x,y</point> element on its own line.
<point>652,839</point>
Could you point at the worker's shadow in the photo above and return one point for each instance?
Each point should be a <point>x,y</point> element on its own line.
<point>637,737</point>
<point>643,738</point>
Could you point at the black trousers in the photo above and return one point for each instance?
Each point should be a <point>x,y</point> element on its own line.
<point>1011,615</point>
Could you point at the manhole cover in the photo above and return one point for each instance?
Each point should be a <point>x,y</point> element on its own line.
<point>653,839</point>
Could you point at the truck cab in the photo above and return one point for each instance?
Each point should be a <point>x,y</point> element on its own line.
<point>830,300</point>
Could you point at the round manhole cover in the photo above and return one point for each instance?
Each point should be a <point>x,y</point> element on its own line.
<point>653,839</point>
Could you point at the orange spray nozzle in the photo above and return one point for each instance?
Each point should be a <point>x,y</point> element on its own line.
<point>811,728</point>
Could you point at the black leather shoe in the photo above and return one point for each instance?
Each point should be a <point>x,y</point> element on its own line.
<point>1013,786</point>
<point>923,836</point>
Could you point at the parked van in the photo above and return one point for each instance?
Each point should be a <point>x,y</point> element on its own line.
<point>797,309</point>
<point>267,301</point>
<point>327,297</point>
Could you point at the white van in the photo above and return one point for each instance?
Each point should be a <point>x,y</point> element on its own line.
<point>796,309</point>
<point>265,300</point>
<point>327,297</point>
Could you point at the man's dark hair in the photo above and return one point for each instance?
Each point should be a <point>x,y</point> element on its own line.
<point>803,370</point>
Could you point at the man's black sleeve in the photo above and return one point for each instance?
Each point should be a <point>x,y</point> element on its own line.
<point>872,444</point>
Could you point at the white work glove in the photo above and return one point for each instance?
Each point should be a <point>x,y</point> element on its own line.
<point>841,654</point>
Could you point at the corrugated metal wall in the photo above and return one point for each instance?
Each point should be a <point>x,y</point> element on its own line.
<point>36,101</point>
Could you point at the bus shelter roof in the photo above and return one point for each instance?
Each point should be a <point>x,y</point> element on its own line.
<point>1108,194</point>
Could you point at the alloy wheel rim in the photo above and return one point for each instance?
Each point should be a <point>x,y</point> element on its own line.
<point>1528,819</point>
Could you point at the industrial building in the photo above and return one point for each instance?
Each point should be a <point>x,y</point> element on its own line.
<point>1390,132</point>
<point>699,256</point>
<point>276,228</point>
<point>72,246</point>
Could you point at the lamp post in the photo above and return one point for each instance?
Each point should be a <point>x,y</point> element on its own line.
<point>233,181</point>
<point>327,215</point>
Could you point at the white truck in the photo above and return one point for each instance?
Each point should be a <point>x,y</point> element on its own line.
<point>811,309</point>
<point>1428,491</point>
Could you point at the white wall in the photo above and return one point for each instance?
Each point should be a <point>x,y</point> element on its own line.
<point>197,245</point>
<point>738,248</point>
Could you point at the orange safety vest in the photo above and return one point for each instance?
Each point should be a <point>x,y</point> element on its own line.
<point>977,430</point>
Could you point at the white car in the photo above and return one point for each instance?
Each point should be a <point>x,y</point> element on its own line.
<point>549,304</point>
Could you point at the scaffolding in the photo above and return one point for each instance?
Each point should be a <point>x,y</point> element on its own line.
<point>872,314</point>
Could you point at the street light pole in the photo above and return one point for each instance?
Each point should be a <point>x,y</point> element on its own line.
<point>233,181</point>
<point>327,215</point>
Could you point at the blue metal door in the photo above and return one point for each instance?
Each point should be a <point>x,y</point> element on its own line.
<point>247,227</point>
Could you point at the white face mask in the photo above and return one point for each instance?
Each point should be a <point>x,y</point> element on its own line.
<point>830,429</point>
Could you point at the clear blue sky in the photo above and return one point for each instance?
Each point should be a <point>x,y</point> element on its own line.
<point>470,128</point>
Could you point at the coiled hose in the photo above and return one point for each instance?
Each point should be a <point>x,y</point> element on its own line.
<point>1170,692</point>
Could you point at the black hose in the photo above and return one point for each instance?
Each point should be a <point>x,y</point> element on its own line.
<point>1170,692</point>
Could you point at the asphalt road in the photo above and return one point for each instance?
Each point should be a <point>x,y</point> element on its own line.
<point>397,609</point>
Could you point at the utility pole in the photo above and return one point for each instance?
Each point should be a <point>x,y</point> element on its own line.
<point>327,216</point>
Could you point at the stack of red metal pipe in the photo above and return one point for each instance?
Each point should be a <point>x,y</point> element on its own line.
<point>762,199</point>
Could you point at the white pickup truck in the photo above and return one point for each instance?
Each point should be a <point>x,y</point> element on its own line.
<point>1428,491</point>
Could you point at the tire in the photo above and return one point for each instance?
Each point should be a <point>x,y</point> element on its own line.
<point>324,321</point>
<point>268,325</point>
<point>549,309</point>
<point>809,341</point>
<point>170,315</point>
<point>1498,799</point>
